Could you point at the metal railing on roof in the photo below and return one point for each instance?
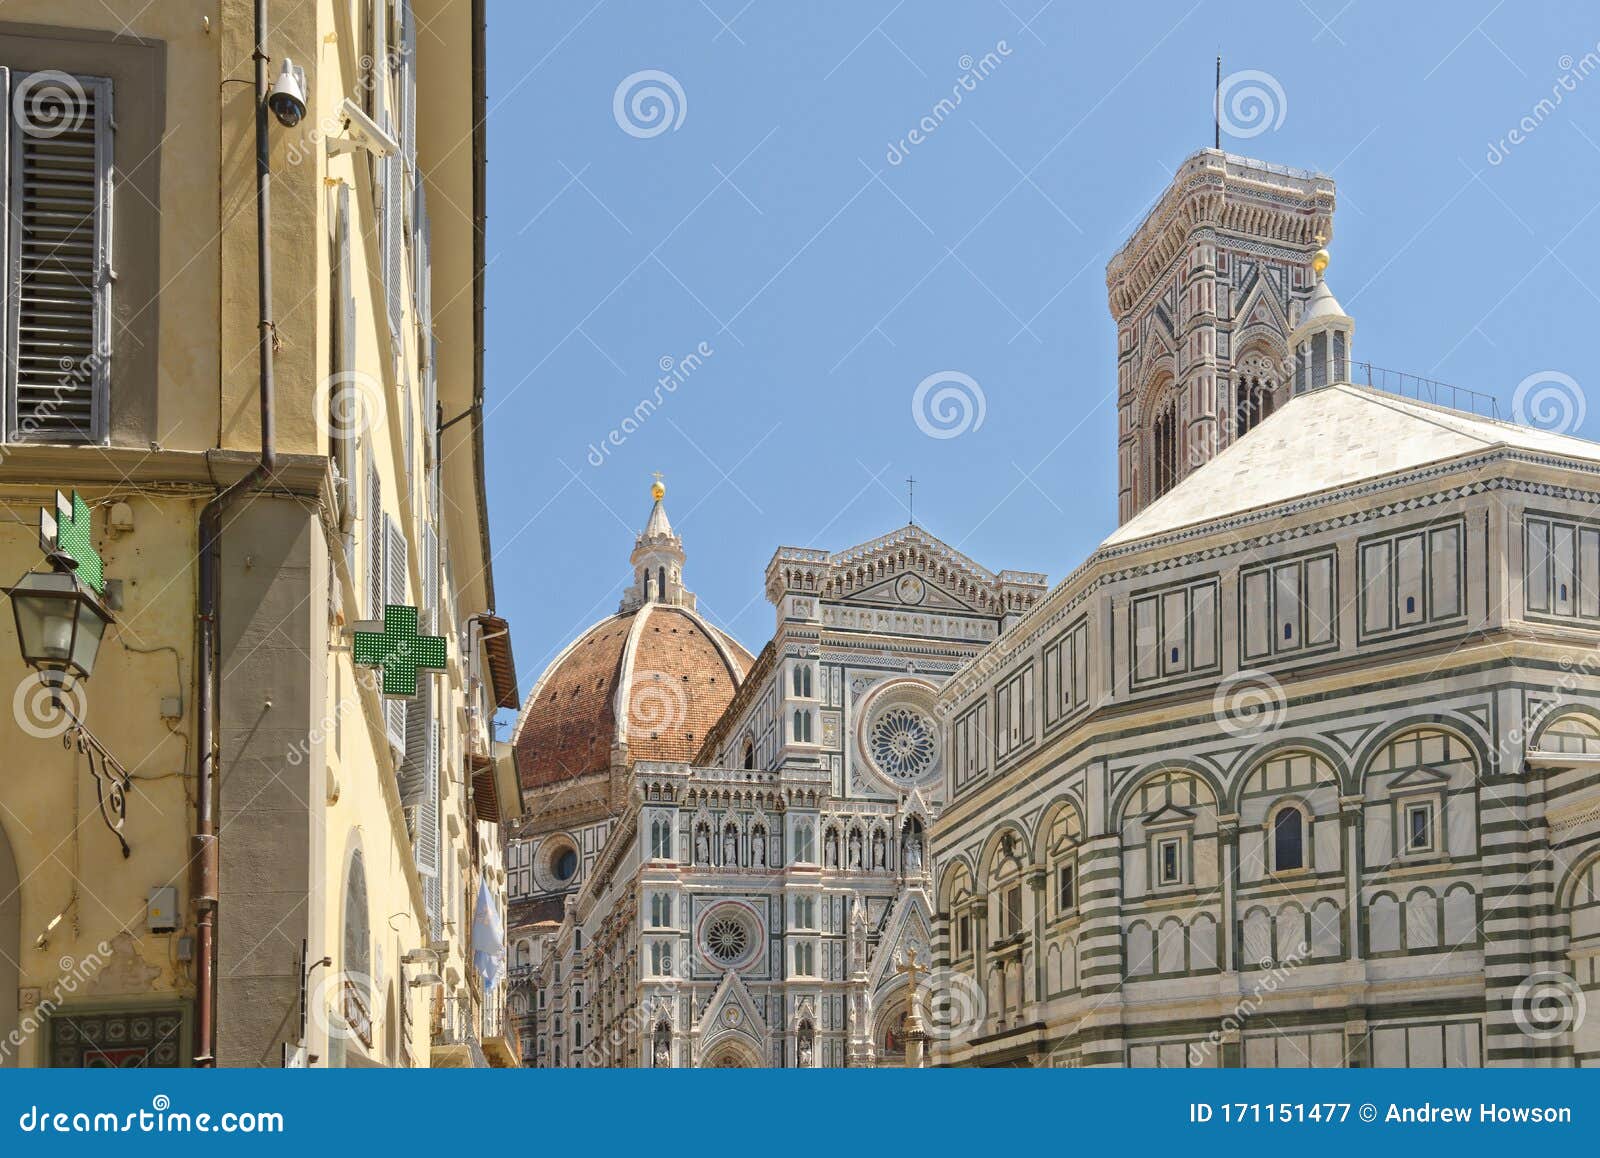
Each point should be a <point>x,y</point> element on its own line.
<point>1428,390</point>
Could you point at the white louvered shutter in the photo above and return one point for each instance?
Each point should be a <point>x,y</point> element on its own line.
<point>5,219</point>
<point>413,774</point>
<point>428,839</point>
<point>430,581</point>
<point>58,257</point>
<point>394,215</point>
<point>377,583</point>
<point>396,563</point>
<point>426,347</point>
<point>342,398</point>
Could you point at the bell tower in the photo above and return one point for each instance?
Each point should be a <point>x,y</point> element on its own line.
<point>1206,295</point>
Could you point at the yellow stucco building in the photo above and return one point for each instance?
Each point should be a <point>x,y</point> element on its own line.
<point>292,868</point>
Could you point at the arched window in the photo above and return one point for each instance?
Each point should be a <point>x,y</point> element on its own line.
<point>802,727</point>
<point>1288,840</point>
<point>1253,392</point>
<point>1164,450</point>
<point>661,583</point>
<point>749,754</point>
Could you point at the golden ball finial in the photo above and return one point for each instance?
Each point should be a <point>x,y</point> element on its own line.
<point>1319,259</point>
<point>657,488</point>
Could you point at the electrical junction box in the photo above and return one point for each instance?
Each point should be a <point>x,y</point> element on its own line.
<point>161,910</point>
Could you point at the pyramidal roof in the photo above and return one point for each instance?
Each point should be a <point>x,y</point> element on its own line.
<point>1331,438</point>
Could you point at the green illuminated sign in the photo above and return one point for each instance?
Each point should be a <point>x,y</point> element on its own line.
<point>399,650</point>
<point>68,529</point>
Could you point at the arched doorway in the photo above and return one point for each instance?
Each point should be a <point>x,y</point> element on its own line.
<point>731,1054</point>
<point>10,946</point>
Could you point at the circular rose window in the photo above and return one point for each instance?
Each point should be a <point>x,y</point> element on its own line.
<point>729,936</point>
<point>727,939</point>
<point>903,743</point>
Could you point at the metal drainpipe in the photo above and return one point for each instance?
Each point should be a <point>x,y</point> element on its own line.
<point>204,850</point>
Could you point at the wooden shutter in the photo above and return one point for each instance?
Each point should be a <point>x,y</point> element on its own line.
<point>58,335</point>
<point>342,423</point>
<point>427,841</point>
<point>413,771</point>
<point>430,580</point>
<point>374,529</point>
<point>394,213</point>
<point>396,564</point>
<point>5,219</point>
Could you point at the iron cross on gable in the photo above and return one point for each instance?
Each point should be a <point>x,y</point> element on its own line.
<point>399,650</point>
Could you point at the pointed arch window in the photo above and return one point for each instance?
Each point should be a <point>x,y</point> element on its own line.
<point>1253,397</point>
<point>1164,450</point>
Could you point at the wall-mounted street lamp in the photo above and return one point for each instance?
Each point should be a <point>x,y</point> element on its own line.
<point>60,620</point>
<point>60,623</point>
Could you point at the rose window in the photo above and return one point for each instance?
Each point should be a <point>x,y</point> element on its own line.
<point>727,939</point>
<point>902,743</point>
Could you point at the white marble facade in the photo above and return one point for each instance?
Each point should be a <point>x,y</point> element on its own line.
<point>1301,767</point>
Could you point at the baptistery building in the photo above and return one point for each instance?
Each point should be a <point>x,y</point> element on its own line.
<point>1301,767</point>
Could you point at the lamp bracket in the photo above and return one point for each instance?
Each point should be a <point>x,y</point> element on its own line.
<point>111,779</point>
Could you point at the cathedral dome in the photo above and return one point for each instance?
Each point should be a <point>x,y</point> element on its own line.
<point>645,684</point>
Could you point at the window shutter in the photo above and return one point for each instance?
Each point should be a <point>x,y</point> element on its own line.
<point>393,242</point>
<point>59,284</point>
<point>396,565</point>
<point>413,771</point>
<point>427,840</point>
<point>430,581</point>
<point>342,423</point>
<point>408,85</point>
<point>376,583</point>
<point>5,218</point>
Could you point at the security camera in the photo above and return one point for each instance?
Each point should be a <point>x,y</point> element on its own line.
<point>362,132</point>
<point>287,100</point>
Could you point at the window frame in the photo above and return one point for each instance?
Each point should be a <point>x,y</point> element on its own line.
<point>1160,842</point>
<point>1270,839</point>
<point>100,318</point>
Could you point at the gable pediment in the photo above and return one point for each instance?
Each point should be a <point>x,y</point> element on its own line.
<point>1169,814</point>
<point>910,591</point>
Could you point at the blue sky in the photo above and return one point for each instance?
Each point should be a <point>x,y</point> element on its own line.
<point>770,226</point>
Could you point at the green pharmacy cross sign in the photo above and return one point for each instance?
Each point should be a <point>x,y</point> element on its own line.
<point>399,650</point>
<point>68,531</point>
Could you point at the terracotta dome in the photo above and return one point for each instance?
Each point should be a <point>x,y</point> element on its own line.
<point>655,676</point>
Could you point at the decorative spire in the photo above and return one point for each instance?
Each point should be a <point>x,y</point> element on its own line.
<point>657,560</point>
<point>1320,343</point>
